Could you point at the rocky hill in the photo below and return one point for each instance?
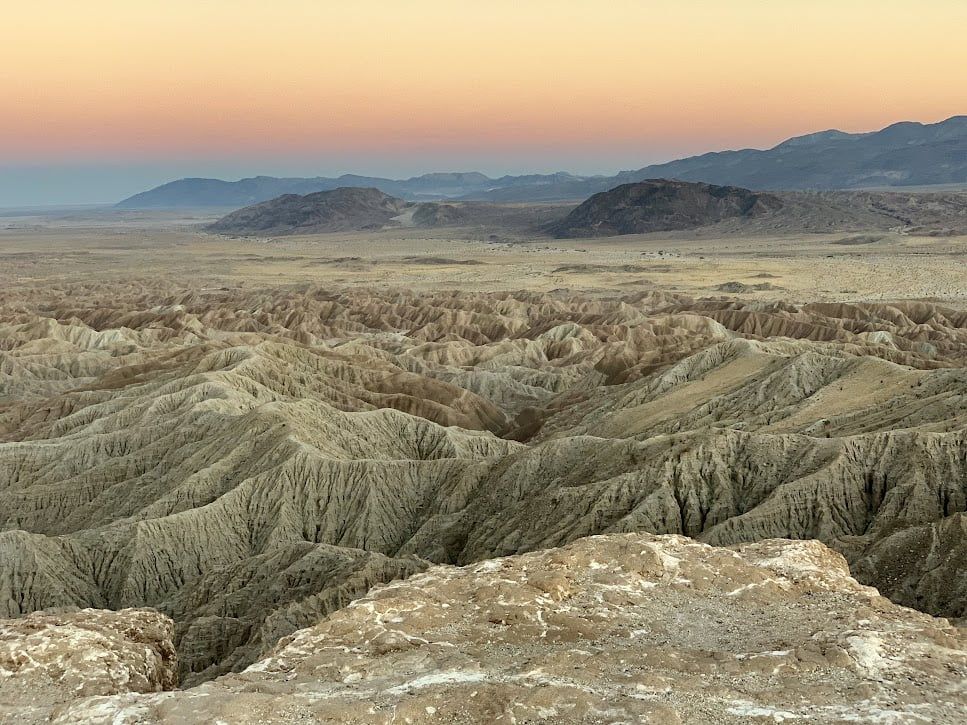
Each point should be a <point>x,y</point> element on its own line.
<point>612,629</point>
<point>338,210</point>
<point>716,211</point>
<point>660,205</point>
<point>353,209</point>
<point>651,206</point>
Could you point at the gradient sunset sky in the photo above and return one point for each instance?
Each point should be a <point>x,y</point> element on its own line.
<point>104,98</point>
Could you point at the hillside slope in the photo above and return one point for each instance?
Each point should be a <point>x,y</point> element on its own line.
<point>659,205</point>
<point>904,154</point>
<point>325,211</point>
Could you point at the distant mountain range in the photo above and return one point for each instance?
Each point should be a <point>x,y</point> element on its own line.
<point>904,154</point>
<point>429,187</point>
<point>214,192</point>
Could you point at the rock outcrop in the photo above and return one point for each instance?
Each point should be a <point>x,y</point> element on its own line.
<point>615,629</point>
<point>49,660</point>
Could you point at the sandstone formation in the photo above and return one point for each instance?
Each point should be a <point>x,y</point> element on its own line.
<point>248,461</point>
<point>613,629</point>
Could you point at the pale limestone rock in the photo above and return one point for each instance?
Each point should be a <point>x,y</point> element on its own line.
<point>609,629</point>
<point>48,659</point>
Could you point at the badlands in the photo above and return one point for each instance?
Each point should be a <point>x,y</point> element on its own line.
<point>469,474</point>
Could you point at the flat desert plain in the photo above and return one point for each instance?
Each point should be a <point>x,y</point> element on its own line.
<point>169,248</point>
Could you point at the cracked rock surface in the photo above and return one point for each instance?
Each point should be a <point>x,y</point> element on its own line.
<point>48,660</point>
<point>608,629</point>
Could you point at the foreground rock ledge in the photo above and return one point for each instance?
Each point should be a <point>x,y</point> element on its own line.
<point>47,659</point>
<point>626,628</point>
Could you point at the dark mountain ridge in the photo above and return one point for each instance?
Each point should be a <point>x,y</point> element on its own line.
<point>903,154</point>
<point>660,205</point>
<point>324,211</point>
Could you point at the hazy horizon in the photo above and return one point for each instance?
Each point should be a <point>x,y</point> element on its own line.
<point>110,97</point>
<point>92,183</point>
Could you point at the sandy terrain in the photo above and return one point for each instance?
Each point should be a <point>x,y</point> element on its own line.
<point>168,248</point>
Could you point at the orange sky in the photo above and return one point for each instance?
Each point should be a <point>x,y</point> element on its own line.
<point>130,80</point>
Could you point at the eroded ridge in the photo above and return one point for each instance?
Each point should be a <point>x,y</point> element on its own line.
<point>249,461</point>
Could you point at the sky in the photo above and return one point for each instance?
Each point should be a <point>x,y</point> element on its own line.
<point>104,98</point>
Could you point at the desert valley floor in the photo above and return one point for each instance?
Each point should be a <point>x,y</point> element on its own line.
<point>249,434</point>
